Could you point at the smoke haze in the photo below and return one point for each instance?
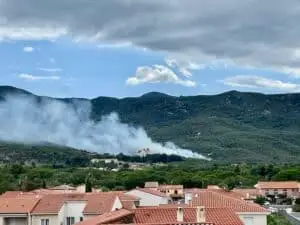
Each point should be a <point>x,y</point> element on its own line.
<point>24,120</point>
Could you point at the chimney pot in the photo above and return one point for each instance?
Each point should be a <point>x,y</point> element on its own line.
<point>179,214</point>
<point>200,213</point>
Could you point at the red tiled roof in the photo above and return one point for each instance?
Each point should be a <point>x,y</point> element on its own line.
<point>152,192</point>
<point>244,192</point>
<point>278,185</point>
<point>108,217</point>
<point>17,205</point>
<point>52,203</point>
<point>214,199</point>
<point>98,203</point>
<point>159,215</point>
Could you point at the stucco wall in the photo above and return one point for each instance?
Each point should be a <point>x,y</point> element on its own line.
<point>147,199</point>
<point>258,219</point>
<point>73,209</point>
<point>53,219</point>
<point>117,204</point>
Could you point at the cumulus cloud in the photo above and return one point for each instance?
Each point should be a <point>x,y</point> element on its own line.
<point>50,70</point>
<point>252,81</point>
<point>184,66</point>
<point>28,49</point>
<point>36,78</point>
<point>157,74</point>
<point>250,32</point>
<point>24,120</point>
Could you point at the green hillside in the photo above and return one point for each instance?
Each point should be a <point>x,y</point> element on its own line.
<point>231,127</point>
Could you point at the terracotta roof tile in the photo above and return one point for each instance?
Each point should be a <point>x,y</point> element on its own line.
<point>278,185</point>
<point>17,205</point>
<point>214,199</point>
<point>108,217</point>
<point>98,203</point>
<point>159,215</point>
<point>246,193</point>
<point>52,203</point>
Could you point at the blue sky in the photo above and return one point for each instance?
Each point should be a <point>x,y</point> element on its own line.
<point>63,55</point>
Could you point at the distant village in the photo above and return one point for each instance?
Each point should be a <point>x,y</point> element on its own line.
<point>153,204</point>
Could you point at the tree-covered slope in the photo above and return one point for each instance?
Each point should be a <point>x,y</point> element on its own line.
<point>231,127</point>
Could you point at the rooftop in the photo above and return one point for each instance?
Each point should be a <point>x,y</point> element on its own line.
<point>278,185</point>
<point>213,199</point>
<point>161,215</point>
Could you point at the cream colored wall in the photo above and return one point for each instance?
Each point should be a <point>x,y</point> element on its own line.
<point>258,219</point>
<point>53,219</point>
<point>1,220</point>
<point>117,204</point>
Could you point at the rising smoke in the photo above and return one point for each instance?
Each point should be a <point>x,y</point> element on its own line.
<point>24,120</point>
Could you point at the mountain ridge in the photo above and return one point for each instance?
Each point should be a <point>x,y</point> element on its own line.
<point>232,126</point>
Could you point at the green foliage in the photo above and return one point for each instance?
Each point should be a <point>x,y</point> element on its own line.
<point>232,127</point>
<point>275,219</point>
<point>88,183</point>
<point>260,200</point>
<point>296,207</point>
<point>187,173</point>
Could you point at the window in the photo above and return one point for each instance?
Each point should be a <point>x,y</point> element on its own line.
<point>70,220</point>
<point>248,220</point>
<point>44,221</point>
<point>81,218</point>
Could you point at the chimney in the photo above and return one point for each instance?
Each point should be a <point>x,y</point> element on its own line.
<point>247,195</point>
<point>179,214</point>
<point>200,213</point>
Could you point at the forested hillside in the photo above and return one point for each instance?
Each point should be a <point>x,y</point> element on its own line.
<point>230,127</point>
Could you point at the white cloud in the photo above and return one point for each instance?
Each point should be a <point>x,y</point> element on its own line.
<point>30,33</point>
<point>28,49</point>
<point>36,78</point>
<point>253,81</point>
<point>184,66</point>
<point>50,70</point>
<point>157,74</point>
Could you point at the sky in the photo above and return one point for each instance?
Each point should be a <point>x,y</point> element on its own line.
<point>120,48</point>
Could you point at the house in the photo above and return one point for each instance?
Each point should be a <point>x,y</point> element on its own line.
<point>173,191</point>
<point>152,184</point>
<point>169,215</point>
<point>16,211</point>
<point>275,188</point>
<point>149,197</point>
<point>55,209</point>
<point>249,213</point>
<point>247,193</point>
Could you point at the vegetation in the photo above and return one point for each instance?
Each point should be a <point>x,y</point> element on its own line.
<point>232,127</point>
<point>22,177</point>
<point>275,219</point>
<point>297,205</point>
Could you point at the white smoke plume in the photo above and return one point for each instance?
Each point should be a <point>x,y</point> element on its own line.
<point>24,120</point>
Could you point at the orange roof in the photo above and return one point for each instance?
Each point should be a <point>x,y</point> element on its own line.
<point>214,199</point>
<point>244,192</point>
<point>159,215</point>
<point>278,185</point>
<point>98,203</point>
<point>52,203</point>
<point>17,205</point>
<point>152,192</point>
<point>108,217</point>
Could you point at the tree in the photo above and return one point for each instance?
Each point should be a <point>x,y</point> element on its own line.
<point>260,200</point>
<point>88,183</point>
<point>296,207</point>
